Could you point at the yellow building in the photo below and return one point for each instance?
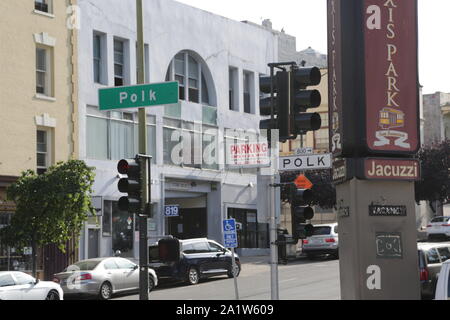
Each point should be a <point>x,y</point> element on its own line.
<point>317,140</point>
<point>37,92</point>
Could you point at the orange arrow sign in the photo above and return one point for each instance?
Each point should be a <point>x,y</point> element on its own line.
<point>303,182</point>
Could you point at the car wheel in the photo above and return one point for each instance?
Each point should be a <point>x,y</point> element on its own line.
<point>52,295</point>
<point>105,291</point>
<point>151,283</point>
<point>193,276</point>
<point>235,272</point>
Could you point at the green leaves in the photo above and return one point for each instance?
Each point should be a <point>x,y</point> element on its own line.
<point>324,192</point>
<point>435,173</point>
<point>52,207</point>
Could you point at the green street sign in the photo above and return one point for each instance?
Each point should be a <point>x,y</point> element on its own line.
<point>143,95</point>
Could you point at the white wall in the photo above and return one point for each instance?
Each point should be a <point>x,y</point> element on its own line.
<point>171,27</point>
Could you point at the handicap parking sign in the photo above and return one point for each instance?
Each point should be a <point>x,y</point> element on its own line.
<point>229,233</point>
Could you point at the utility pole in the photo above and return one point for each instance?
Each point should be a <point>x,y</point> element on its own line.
<point>142,117</point>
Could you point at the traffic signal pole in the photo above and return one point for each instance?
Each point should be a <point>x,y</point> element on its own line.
<point>142,118</point>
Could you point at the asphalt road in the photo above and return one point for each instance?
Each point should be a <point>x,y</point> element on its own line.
<point>298,280</point>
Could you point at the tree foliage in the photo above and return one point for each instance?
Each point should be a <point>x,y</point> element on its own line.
<point>51,207</point>
<point>435,173</point>
<point>324,192</point>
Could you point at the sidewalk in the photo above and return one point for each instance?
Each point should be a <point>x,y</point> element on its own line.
<point>263,259</point>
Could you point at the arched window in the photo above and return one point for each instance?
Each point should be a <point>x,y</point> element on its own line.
<point>194,78</point>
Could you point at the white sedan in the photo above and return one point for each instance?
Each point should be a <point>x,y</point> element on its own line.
<point>15,285</point>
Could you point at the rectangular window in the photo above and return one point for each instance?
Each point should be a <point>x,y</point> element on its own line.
<point>122,139</point>
<point>210,156</point>
<point>248,88</point>
<point>98,58</point>
<point>232,90</point>
<point>114,135</point>
<point>171,139</point>
<point>42,5</point>
<point>119,63</point>
<point>43,71</point>
<point>194,80</point>
<point>42,151</point>
<point>97,138</point>
<point>180,72</point>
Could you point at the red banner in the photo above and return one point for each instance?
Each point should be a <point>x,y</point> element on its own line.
<point>392,108</point>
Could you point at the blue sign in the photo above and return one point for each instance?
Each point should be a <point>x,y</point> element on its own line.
<point>229,233</point>
<point>172,211</point>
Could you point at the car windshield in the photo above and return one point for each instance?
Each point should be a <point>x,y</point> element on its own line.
<point>321,231</point>
<point>439,219</point>
<point>83,265</point>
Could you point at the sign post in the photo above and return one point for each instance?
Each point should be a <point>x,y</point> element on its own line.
<point>230,241</point>
<point>140,96</point>
<point>374,135</point>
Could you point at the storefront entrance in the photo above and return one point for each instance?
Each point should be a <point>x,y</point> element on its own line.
<point>191,223</point>
<point>251,234</point>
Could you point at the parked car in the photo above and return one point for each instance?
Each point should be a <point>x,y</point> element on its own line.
<point>439,227</point>
<point>102,277</point>
<point>199,258</point>
<point>16,285</point>
<point>431,257</point>
<point>324,240</point>
<point>443,283</point>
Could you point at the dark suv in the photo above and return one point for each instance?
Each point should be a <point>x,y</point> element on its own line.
<point>199,258</point>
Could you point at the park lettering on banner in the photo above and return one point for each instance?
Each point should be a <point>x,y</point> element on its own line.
<point>391,75</point>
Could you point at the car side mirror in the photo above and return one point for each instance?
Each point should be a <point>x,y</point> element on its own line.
<point>36,281</point>
<point>135,267</point>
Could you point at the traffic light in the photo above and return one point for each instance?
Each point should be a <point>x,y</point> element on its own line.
<point>280,84</point>
<point>301,100</point>
<point>131,185</point>
<point>291,102</point>
<point>169,250</point>
<point>300,211</point>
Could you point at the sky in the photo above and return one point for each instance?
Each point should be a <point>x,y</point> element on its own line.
<point>307,21</point>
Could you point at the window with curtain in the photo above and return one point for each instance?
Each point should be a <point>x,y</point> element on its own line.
<point>97,138</point>
<point>114,135</point>
<point>122,140</point>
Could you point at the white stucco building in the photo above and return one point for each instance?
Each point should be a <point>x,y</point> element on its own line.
<point>217,62</point>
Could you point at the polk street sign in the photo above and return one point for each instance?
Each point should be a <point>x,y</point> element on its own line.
<point>306,162</point>
<point>144,95</point>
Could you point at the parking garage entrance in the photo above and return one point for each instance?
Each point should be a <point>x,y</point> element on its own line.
<point>191,223</point>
